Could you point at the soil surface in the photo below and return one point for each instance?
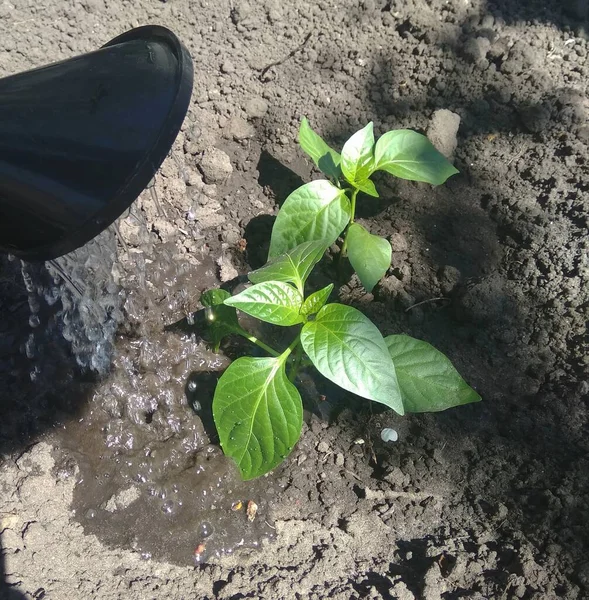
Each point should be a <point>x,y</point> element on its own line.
<point>108,485</point>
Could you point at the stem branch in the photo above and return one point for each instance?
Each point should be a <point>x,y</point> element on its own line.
<point>297,363</point>
<point>254,340</point>
<point>353,211</point>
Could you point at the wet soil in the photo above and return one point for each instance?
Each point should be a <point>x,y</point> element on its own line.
<point>486,501</point>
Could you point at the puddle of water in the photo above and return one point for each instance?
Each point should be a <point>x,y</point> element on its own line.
<point>148,477</point>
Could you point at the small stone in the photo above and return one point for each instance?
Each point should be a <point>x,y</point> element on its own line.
<point>207,216</point>
<point>210,190</point>
<point>199,138</point>
<point>176,195</point>
<point>122,500</point>
<point>231,236</point>
<point>339,460</point>
<point>93,6</point>
<point>227,271</point>
<point>256,108</point>
<point>165,230</point>
<point>240,129</point>
<point>443,130</point>
<point>323,447</point>
<point>227,67</point>
<point>193,179</point>
<point>476,49</point>
<point>399,243</point>
<point>215,166</point>
<point>132,232</point>
<point>487,22</point>
<point>389,435</point>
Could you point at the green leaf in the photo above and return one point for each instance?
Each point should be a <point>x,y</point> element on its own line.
<point>347,348</point>
<point>292,267</point>
<point>370,255</point>
<point>258,413</point>
<point>428,380</point>
<point>410,155</point>
<point>272,301</point>
<point>214,297</point>
<point>316,211</point>
<point>314,303</point>
<point>324,157</point>
<point>220,320</point>
<point>358,155</point>
<point>367,186</point>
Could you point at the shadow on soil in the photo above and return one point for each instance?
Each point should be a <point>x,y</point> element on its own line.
<point>487,329</point>
<point>29,408</point>
<point>6,591</point>
<point>563,13</point>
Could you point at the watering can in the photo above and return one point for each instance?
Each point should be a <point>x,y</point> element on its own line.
<point>82,138</point>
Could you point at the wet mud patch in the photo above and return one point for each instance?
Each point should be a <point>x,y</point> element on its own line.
<point>148,477</point>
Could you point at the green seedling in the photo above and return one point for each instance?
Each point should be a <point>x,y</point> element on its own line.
<point>325,209</point>
<point>257,407</point>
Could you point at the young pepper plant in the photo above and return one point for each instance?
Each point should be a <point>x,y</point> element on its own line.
<point>257,408</point>
<point>324,209</point>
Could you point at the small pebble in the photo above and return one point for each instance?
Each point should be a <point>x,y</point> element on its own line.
<point>389,435</point>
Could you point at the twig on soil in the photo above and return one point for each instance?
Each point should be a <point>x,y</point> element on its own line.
<point>283,60</point>
<point>425,302</point>
<point>354,475</point>
<point>517,156</point>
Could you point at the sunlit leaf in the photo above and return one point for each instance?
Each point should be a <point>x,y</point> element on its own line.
<point>316,211</point>
<point>292,267</point>
<point>410,155</point>
<point>367,186</point>
<point>428,380</point>
<point>324,157</point>
<point>370,255</point>
<point>347,348</point>
<point>314,303</point>
<point>258,414</point>
<point>275,302</point>
<point>358,155</point>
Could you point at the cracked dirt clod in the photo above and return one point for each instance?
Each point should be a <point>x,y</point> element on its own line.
<point>215,166</point>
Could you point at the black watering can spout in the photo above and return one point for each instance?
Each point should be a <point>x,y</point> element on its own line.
<point>81,139</point>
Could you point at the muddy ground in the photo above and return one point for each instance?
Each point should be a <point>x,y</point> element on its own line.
<point>485,501</point>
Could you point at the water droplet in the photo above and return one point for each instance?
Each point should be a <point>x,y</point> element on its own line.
<point>168,506</point>
<point>90,513</point>
<point>192,386</point>
<point>205,530</point>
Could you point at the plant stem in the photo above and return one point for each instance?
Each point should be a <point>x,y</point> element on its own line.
<point>254,340</point>
<point>296,342</point>
<point>296,364</point>
<point>353,211</point>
